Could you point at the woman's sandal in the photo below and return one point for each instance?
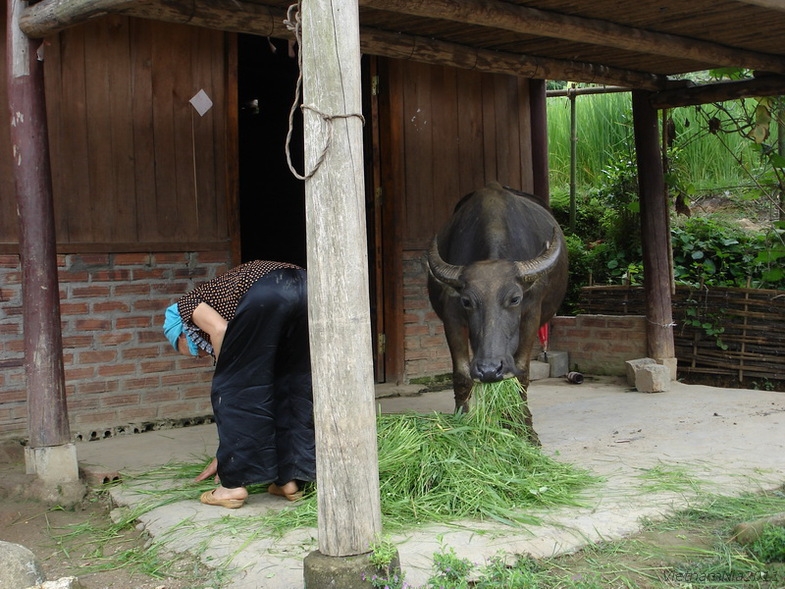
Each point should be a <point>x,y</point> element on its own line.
<point>274,489</point>
<point>209,499</point>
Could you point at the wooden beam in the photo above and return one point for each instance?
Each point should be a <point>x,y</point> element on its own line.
<point>719,92</point>
<point>51,16</point>
<point>771,4</point>
<point>431,51</point>
<point>534,22</point>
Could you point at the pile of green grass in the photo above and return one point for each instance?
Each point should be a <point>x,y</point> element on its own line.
<point>438,467</point>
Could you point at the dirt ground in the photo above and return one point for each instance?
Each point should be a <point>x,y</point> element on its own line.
<point>49,533</point>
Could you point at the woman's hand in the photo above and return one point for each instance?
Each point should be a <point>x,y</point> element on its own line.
<point>209,321</point>
<point>209,471</point>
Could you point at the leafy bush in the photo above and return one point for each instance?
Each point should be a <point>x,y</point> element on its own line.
<point>711,251</point>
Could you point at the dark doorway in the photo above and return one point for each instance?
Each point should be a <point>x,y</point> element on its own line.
<point>272,200</point>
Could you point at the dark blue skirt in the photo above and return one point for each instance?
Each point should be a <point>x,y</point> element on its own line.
<point>261,392</point>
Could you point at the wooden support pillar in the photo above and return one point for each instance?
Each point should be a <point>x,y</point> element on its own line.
<point>655,230</point>
<point>539,133</point>
<point>349,512</point>
<point>50,454</point>
<point>46,407</point>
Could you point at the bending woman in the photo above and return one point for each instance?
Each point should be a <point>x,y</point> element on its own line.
<point>253,319</point>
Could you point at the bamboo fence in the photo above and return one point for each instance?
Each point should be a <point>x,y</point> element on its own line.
<point>719,331</point>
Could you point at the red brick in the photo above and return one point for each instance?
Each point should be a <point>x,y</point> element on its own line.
<point>136,289</point>
<point>114,338</point>
<point>89,259</point>
<point>113,275</point>
<point>135,322</point>
<point>79,373</point>
<point>117,369</point>
<point>96,356</point>
<point>93,324</point>
<point>119,400</point>
<point>74,308</point>
<point>159,366</point>
<point>131,259</point>
<point>147,382</point>
<point>9,261</point>
<point>91,292</point>
<point>137,353</point>
<point>160,396</point>
<point>111,305</point>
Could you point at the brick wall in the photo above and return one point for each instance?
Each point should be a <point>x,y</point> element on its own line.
<point>599,344</point>
<point>121,374</point>
<point>425,349</point>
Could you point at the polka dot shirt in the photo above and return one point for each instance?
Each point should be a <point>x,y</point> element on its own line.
<point>223,293</point>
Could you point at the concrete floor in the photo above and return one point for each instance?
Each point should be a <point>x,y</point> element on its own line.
<point>731,440</point>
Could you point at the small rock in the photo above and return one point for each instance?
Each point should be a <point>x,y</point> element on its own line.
<point>61,583</point>
<point>18,566</point>
<point>747,532</point>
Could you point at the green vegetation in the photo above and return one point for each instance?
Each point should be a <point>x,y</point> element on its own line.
<point>725,153</point>
<point>692,548</point>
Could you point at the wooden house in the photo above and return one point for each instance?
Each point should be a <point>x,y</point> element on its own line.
<point>167,125</point>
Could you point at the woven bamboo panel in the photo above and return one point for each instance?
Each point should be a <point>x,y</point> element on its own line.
<point>736,332</point>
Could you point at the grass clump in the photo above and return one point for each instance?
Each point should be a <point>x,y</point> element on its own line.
<point>440,468</point>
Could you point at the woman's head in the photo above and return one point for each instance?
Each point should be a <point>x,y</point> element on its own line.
<point>174,330</point>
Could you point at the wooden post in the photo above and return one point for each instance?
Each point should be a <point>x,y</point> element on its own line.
<point>656,239</point>
<point>338,297</point>
<point>539,130</point>
<point>47,414</point>
<point>573,158</point>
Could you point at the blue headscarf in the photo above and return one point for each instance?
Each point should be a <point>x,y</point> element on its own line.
<point>173,327</point>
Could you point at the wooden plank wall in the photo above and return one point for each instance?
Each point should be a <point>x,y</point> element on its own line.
<point>461,129</point>
<point>134,166</point>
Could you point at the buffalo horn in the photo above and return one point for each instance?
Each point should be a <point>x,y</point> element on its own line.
<point>531,270</point>
<point>441,270</point>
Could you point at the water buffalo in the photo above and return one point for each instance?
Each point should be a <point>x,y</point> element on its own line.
<point>498,271</point>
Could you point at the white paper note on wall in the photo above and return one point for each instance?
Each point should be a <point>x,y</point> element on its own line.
<point>201,102</point>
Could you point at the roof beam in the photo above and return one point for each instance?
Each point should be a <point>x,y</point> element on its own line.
<point>719,92</point>
<point>50,16</point>
<point>531,21</point>
<point>428,50</point>
<point>771,4</point>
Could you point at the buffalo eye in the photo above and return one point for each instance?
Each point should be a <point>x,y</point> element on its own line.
<point>466,302</point>
<point>515,300</point>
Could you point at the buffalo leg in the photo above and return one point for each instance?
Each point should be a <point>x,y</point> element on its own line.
<point>531,435</point>
<point>463,391</point>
